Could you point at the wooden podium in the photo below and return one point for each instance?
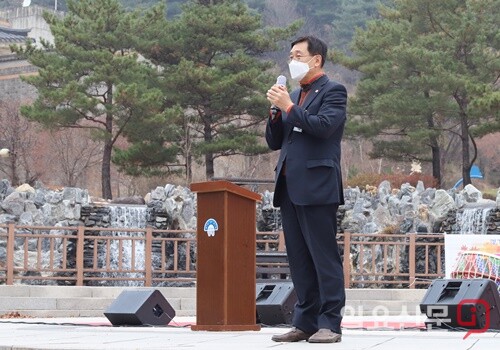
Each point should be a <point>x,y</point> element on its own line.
<point>225,268</point>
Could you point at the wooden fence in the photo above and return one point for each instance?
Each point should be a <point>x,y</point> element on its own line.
<point>149,257</point>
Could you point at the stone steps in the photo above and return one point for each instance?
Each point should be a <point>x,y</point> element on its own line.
<point>64,301</point>
<point>383,302</point>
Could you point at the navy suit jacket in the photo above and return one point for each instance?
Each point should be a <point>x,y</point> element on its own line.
<point>309,138</point>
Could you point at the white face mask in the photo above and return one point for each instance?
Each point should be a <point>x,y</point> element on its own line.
<point>298,70</point>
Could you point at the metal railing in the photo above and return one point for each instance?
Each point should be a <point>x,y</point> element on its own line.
<point>150,257</point>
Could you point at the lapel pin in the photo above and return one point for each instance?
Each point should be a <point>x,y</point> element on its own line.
<point>316,91</point>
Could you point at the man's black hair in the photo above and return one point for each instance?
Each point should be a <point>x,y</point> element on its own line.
<point>315,46</point>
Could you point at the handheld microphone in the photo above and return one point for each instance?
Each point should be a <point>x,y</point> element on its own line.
<point>280,81</point>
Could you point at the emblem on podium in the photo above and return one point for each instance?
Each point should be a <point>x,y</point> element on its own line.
<point>210,227</point>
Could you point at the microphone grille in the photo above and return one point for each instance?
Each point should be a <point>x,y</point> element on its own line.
<point>281,80</point>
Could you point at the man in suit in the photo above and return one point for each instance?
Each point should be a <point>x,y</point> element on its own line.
<point>307,126</point>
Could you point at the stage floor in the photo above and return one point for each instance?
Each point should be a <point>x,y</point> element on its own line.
<point>392,332</point>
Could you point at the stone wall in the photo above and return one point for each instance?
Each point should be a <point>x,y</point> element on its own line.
<point>26,205</point>
<point>13,88</point>
<point>403,210</point>
<point>371,210</point>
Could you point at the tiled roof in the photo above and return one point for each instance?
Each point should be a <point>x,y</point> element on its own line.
<point>9,35</point>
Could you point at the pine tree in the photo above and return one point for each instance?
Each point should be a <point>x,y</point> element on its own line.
<point>352,14</point>
<point>428,68</point>
<point>213,71</point>
<point>91,77</point>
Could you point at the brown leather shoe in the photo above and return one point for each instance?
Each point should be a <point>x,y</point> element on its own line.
<point>325,336</point>
<point>293,335</point>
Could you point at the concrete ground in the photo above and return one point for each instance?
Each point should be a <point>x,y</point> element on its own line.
<point>359,332</point>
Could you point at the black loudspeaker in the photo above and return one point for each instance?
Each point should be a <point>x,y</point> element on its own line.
<point>462,303</point>
<point>275,303</point>
<point>140,307</point>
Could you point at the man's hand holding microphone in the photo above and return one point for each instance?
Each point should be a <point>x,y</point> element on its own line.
<point>279,97</point>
